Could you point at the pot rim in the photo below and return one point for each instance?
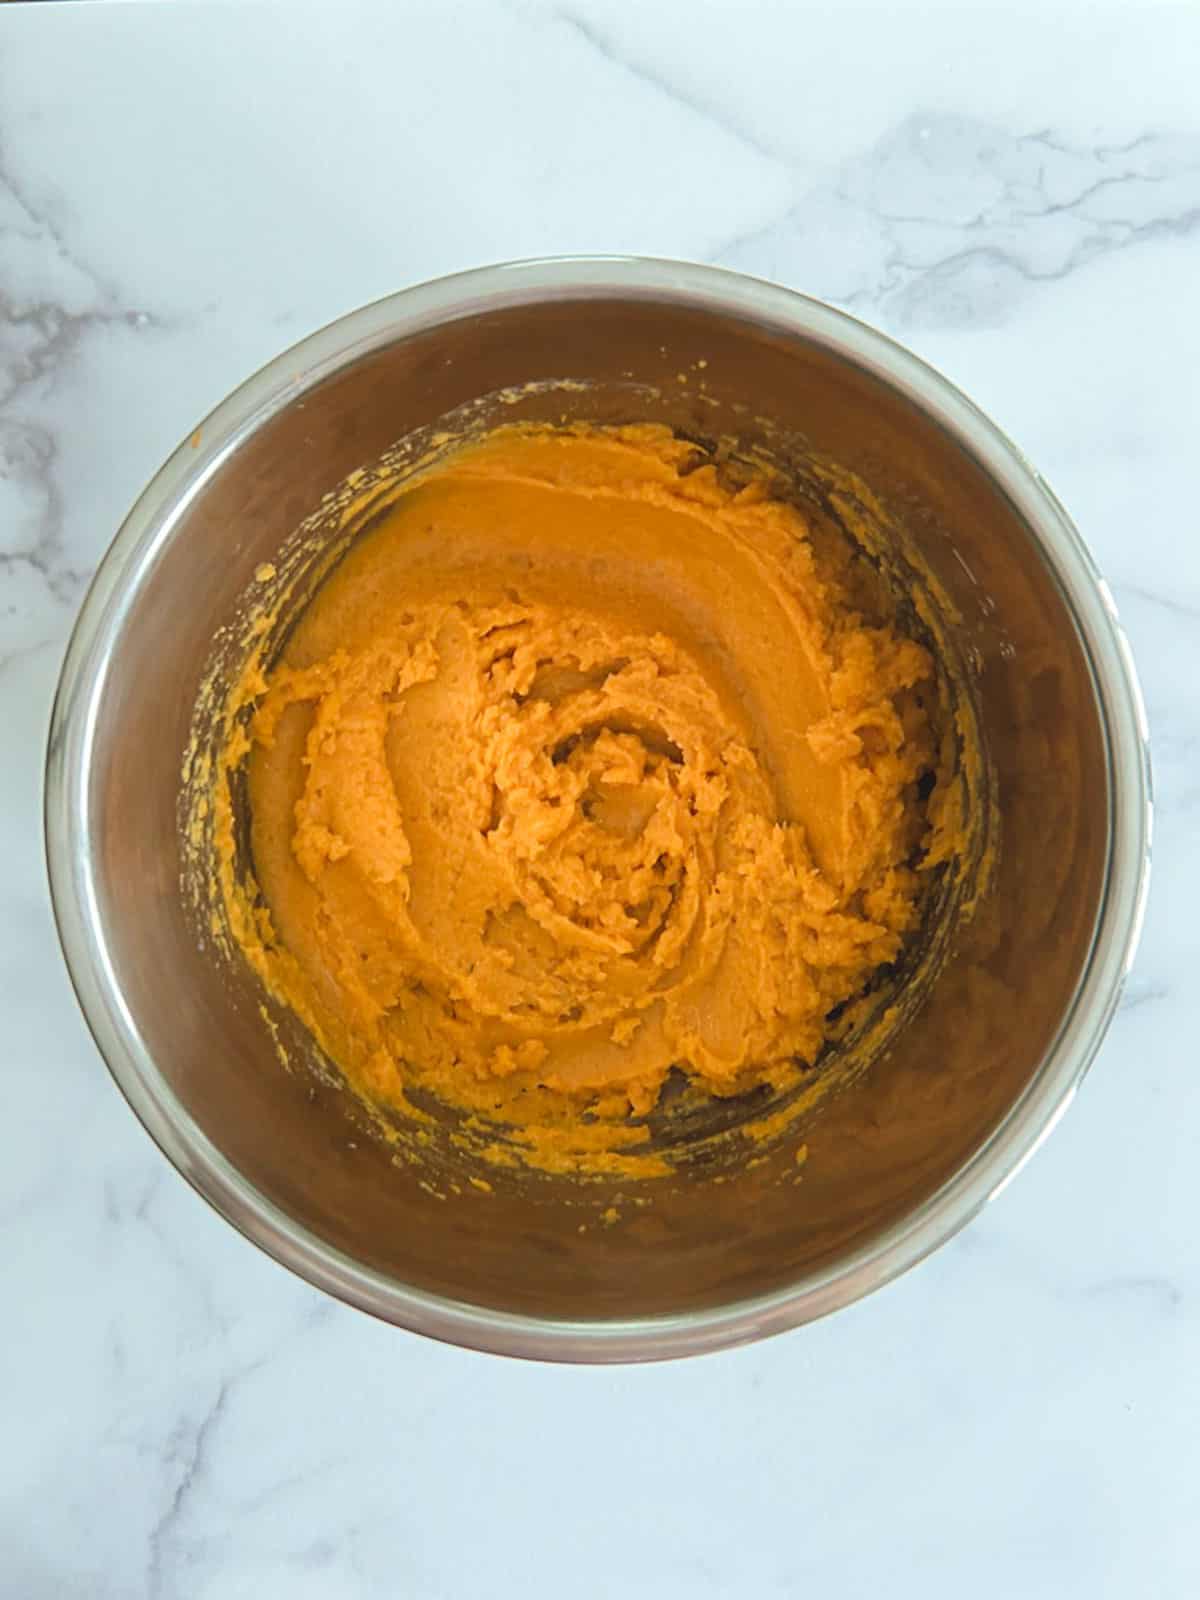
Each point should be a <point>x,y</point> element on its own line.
<point>149,527</point>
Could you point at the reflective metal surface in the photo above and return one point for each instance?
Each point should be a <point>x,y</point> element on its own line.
<point>897,1163</point>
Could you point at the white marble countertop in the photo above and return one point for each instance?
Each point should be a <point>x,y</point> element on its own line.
<point>186,189</point>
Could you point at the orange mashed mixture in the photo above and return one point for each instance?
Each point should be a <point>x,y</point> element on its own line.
<point>590,760</point>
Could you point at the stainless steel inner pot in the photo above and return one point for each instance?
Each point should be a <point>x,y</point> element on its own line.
<point>895,1164</point>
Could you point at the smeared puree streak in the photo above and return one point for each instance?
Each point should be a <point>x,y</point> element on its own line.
<point>584,763</point>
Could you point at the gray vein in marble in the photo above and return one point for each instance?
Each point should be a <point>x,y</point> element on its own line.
<point>295,1480</point>
<point>1157,1290</point>
<point>188,1456</point>
<point>118,1210</point>
<point>950,222</point>
<point>1172,603</point>
<point>1152,1290</point>
<point>718,116</point>
<point>142,1215</point>
<point>22,654</point>
<point>187,1449</point>
<point>1141,992</point>
<point>51,301</point>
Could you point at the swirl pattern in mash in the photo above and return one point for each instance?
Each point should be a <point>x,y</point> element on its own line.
<point>587,762</point>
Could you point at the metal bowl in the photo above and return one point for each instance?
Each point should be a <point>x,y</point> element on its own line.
<point>895,1164</point>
